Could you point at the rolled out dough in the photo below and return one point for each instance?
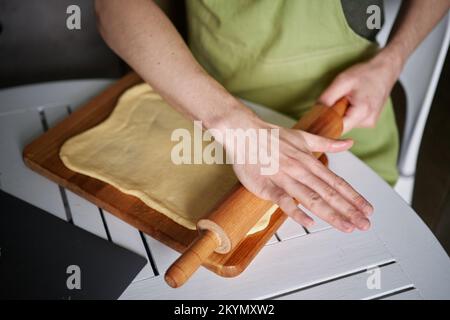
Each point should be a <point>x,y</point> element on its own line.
<point>131,150</point>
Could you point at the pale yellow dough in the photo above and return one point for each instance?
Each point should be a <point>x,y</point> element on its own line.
<point>131,150</point>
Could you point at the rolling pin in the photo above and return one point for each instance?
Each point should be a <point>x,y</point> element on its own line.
<point>228,224</point>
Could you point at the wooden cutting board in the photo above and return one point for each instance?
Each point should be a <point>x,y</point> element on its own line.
<point>42,156</point>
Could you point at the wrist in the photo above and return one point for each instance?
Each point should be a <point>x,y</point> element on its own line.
<point>230,113</point>
<point>209,102</point>
<point>390,64</point>
<point>237,117</point>
<point>393,58</point>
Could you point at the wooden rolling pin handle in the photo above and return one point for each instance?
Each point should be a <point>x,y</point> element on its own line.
<point>183,268</point>
<point>341,106</point>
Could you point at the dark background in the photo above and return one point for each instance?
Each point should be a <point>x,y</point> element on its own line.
<point>35,46</point>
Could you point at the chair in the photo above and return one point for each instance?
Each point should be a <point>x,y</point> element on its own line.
<point>419,79</point>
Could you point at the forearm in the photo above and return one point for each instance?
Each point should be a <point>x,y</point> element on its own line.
<point>415,20</point>
<point>143,36</point>
<point>140,33</point>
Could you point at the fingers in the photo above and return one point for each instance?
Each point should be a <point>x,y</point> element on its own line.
<point>343,86</point>
<point>352,118</point>
<point>337,193</point>
<point>313,202</point>
<point>357,116</point>
<point>366,102</point>
<point>340,185</point>
<point>339,88</point>
<point>332,197</point>
<point>321,144</point>
<point>287,204</point>
<point>360,115</point>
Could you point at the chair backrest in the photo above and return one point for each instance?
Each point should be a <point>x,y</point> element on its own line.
<point>419,79</point>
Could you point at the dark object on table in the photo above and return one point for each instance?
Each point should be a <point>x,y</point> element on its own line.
<point>42,257</point>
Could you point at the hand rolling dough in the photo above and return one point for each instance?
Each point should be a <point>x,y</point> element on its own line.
<point>131,151</point>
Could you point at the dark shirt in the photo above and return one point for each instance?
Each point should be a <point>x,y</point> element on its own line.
<point>355,12</point>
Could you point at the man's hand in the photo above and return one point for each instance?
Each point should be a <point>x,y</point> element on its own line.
<point>367,87</point>
<point>301,177</point>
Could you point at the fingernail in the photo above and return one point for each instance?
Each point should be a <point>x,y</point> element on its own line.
<point>348,227</point>
<point>343,143</point>
<point>362,223</point>
<point>368,210</point>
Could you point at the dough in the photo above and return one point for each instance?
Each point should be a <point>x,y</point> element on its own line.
<point>131,150</point>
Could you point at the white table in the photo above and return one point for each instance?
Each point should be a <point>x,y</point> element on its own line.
<point>296,264</point>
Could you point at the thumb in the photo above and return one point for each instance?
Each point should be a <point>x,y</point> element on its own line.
<point>340,87</point>
<point>351,119</point>
<point>321,144</point>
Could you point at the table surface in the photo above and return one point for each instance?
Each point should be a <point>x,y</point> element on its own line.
<point>399,258</point>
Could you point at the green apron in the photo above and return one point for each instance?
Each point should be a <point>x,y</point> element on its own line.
<point>283,54</point>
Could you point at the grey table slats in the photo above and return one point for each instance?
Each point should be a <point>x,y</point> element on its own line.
<point>296,263</point>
